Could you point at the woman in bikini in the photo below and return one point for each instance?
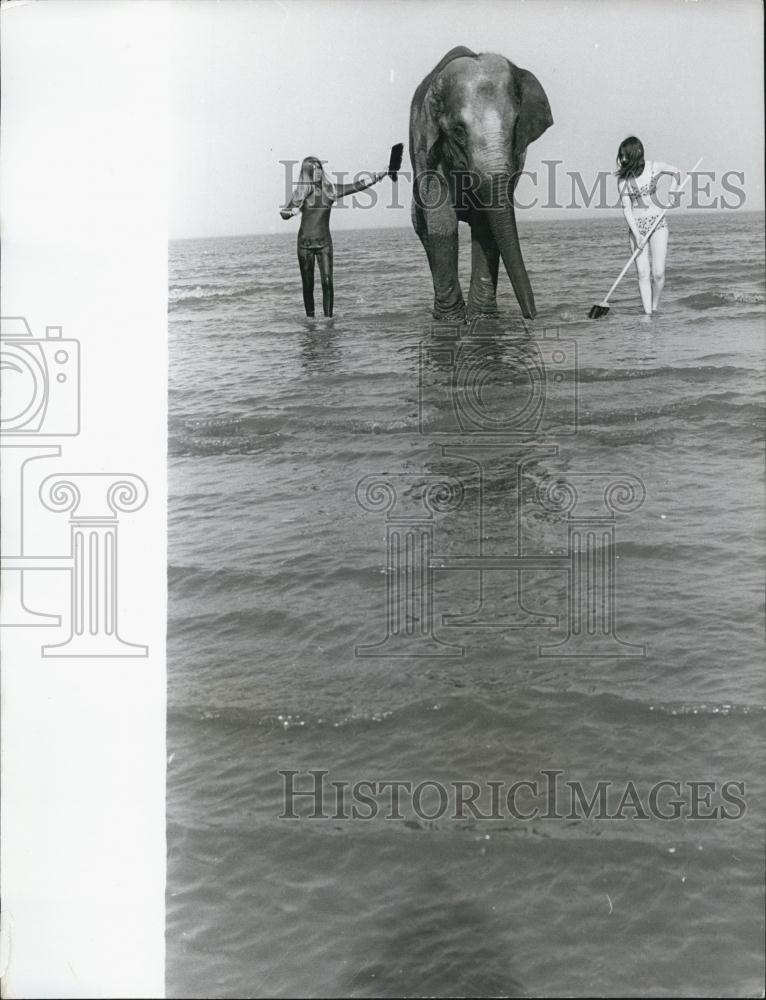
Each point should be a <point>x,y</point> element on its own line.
<point>314,197</point>
<point>637,180</point>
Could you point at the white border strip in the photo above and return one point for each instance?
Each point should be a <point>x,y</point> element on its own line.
<point>83,161</point>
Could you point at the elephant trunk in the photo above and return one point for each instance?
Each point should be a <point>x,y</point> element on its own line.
<point>502,221</point>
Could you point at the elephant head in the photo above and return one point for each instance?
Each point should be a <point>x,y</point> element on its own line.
<point>472,119</point>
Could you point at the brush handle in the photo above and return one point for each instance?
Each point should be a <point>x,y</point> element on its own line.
<point>645,240</point>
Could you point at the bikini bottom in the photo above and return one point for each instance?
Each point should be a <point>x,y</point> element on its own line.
<point>645,222</point>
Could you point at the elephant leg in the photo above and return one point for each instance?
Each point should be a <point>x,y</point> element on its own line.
<point>485,260</point>
<point>437,229</point>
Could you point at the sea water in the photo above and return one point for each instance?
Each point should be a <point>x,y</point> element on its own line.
<point>277,573</point>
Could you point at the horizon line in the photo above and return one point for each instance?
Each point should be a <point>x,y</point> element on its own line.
<point>557,218</point>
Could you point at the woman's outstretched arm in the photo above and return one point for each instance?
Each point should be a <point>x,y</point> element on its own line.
<point>341,190</point>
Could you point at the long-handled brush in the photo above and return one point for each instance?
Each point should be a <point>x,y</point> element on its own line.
<point>395,160</point>
<point>602,308</point>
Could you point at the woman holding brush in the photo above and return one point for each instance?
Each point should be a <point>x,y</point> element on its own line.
<point>637,179</point>
<point>314,197</point>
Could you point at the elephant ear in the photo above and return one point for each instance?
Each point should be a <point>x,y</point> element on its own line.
<point>425,112</point>
<point>425,146</point>
<point>534,115</point>
<point>433,107</point>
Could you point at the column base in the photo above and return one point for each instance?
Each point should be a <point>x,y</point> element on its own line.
<point>108,646</point>
<point>592,645</point>
<point>409,646</point>
<point>500,610</point>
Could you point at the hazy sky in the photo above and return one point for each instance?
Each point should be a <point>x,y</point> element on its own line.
<point>259,81</point>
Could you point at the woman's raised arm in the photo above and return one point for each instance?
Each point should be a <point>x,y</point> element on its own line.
<point>675,187</point>
<point>341,190</point>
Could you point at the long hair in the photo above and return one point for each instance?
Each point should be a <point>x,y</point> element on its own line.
<point>630,158</point>
<point>311,171</point>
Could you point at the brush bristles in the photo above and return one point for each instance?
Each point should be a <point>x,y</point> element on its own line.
<point>395,160</point>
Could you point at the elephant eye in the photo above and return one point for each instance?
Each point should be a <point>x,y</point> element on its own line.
<point>459,131</point>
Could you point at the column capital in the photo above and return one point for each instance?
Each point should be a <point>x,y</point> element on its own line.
<point>406,497</point>
<point>596,495</point>
<point>94,495</point>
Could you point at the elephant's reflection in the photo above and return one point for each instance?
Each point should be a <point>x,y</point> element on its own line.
<point>486,381</point>
<point>439,945</point>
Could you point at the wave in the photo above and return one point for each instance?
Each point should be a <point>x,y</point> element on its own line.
<point>205,297</point>
<point>213,425</point>
<point>243,435</point>
<point>463,712</point>
<point>228,444</point>
<point>722,413</point>
<point>186,580</point>
<point>699,373</point>
<point>728,405</point>
<point>701,301</point>
<point>225,435</point>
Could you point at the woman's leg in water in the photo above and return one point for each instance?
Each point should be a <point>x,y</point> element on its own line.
<point>325,273</point>
<point>306,261</point>
<point>644,277</point>
<point>659,247</point>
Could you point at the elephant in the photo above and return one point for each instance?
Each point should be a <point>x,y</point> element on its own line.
<point>471,121</point>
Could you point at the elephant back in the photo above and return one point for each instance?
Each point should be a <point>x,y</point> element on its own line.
<point>459,52</point>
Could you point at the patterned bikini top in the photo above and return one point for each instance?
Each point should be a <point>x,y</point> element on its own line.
<point>637,194</point>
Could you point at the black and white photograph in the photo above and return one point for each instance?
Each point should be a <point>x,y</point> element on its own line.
<point>383,498</point>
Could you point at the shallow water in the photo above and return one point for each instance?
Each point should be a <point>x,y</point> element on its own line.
<point>277,573</point>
